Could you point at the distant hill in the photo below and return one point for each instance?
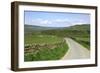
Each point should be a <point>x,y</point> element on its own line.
<point>34,28</point>
<point>31,28</point>
<point>80,27</point>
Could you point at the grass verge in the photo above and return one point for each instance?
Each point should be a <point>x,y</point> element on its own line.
<point>83,41</point>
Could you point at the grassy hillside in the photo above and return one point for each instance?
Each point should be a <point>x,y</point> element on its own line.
<point>66,31</point>
<point>77,30</point>
<point>80,27</point>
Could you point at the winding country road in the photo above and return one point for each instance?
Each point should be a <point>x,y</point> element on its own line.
<point>76,51</point>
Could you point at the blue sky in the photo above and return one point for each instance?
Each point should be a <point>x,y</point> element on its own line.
<point>55,19</point>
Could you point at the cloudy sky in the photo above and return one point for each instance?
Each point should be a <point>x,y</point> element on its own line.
<point>55,19</point>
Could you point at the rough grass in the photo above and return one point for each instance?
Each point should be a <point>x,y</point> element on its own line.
<point>38,39</point>
<point>44,52</point>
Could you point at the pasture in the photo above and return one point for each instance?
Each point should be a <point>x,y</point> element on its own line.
<point>44,47</point>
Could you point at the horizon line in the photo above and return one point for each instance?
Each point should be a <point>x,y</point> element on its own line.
<point>57,26</point>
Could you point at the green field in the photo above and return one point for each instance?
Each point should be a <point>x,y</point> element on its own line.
<point>44,47</point>
<point>39,39</point>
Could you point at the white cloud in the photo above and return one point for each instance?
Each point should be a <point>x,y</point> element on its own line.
<point>61,20</point>
<point>79,22</point>
<point>56,22</point>
<point>51,23</point>
<point>46,22</point>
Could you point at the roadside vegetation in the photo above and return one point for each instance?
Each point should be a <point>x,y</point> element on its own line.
<point>83,41</point>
